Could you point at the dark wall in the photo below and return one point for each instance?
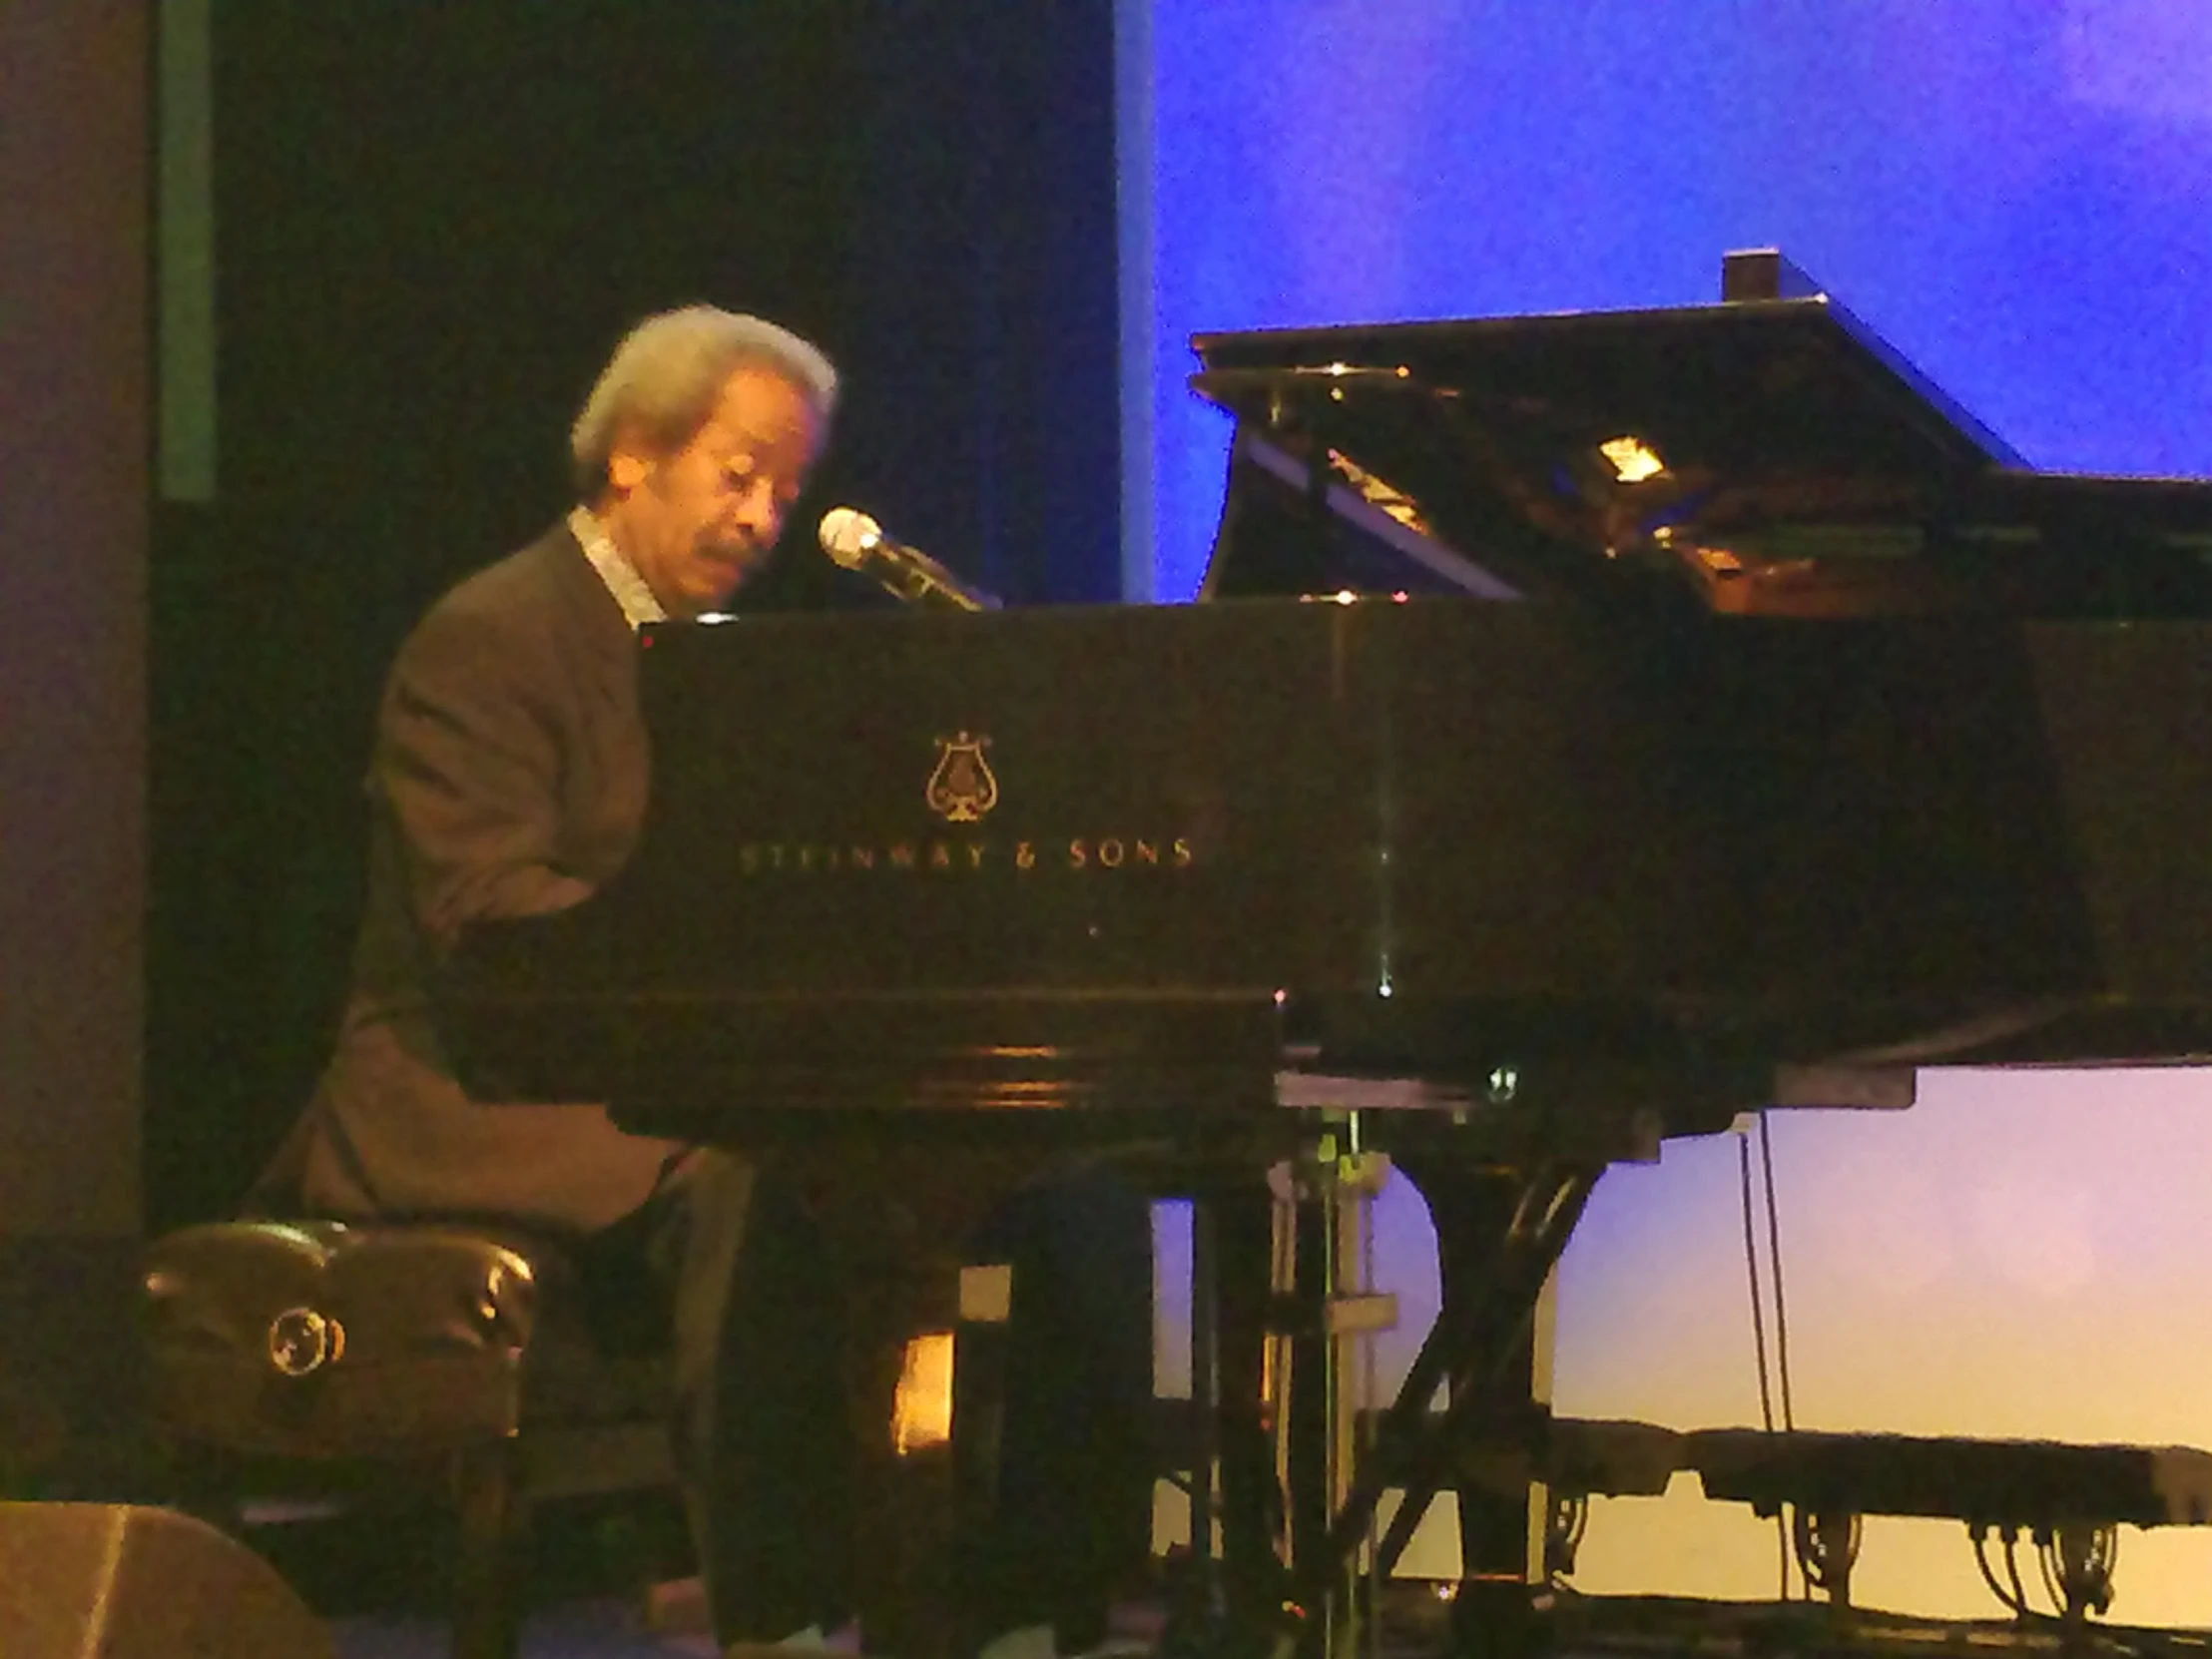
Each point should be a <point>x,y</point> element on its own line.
<point>73,429</point>
<point>432,223</point>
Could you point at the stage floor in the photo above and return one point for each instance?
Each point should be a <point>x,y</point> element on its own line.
<point>598,1629</point>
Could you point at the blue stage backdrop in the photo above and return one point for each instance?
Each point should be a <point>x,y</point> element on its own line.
<point>2017,193</point>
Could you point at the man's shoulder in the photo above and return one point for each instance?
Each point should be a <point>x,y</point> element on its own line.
<point>515,614</point>
<point>544,573</point>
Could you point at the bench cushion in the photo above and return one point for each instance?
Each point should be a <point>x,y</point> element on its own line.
<point>325,1339</point>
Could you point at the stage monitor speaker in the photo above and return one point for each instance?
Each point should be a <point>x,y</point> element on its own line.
<point>116,1582</point>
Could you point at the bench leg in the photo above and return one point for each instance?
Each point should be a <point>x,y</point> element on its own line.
<point>494,1541</point>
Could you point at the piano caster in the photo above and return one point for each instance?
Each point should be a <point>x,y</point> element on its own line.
<point>1563,1528</point>
<point>1498,1619</point>
<point>2079,1562</point>
<point>1201,1624</point>
<point>1825,1544</point>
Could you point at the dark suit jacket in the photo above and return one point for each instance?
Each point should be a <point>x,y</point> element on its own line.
<point>509,779</point>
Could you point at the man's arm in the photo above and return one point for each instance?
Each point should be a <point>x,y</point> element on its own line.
<point>469,752</point>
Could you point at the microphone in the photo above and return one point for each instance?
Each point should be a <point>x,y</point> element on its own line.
<point>857,541</point>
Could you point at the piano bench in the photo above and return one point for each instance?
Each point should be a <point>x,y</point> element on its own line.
<point>344,1357</point>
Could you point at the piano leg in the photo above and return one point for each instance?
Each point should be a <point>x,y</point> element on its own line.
<point>1499,1235</point>
<point>904,1509</point>
<point>940,1567</point>
<point>923,1375</point>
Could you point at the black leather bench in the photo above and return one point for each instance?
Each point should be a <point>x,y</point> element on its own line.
<point>448,1353</point>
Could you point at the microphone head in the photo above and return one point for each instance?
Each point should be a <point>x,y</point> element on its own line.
<point>848,535</point>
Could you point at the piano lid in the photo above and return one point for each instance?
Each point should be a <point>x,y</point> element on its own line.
<point>1773,453</point>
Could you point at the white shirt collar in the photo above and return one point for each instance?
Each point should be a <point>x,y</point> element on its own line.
<point>639,607</point>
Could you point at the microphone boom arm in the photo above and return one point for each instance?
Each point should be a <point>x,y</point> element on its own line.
<point>920,580</point>
<point>857,542</point>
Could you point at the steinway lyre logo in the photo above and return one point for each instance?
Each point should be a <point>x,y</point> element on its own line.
<point>961,788</point>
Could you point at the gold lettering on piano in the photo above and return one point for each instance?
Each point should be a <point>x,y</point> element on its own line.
<point>1119,851</point>
<point>1109,854</point>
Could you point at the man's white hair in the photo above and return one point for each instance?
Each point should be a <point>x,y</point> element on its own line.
<point>663,379</point>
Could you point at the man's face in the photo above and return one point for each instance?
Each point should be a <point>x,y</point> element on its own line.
<point>698,520</point>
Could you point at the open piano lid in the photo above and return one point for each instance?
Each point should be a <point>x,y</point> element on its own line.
<point>1772,453</point>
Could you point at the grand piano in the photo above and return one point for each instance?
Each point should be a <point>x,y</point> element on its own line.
<point>1593,726</point>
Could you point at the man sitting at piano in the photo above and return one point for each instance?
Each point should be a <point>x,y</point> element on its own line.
<point>509,779</point>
